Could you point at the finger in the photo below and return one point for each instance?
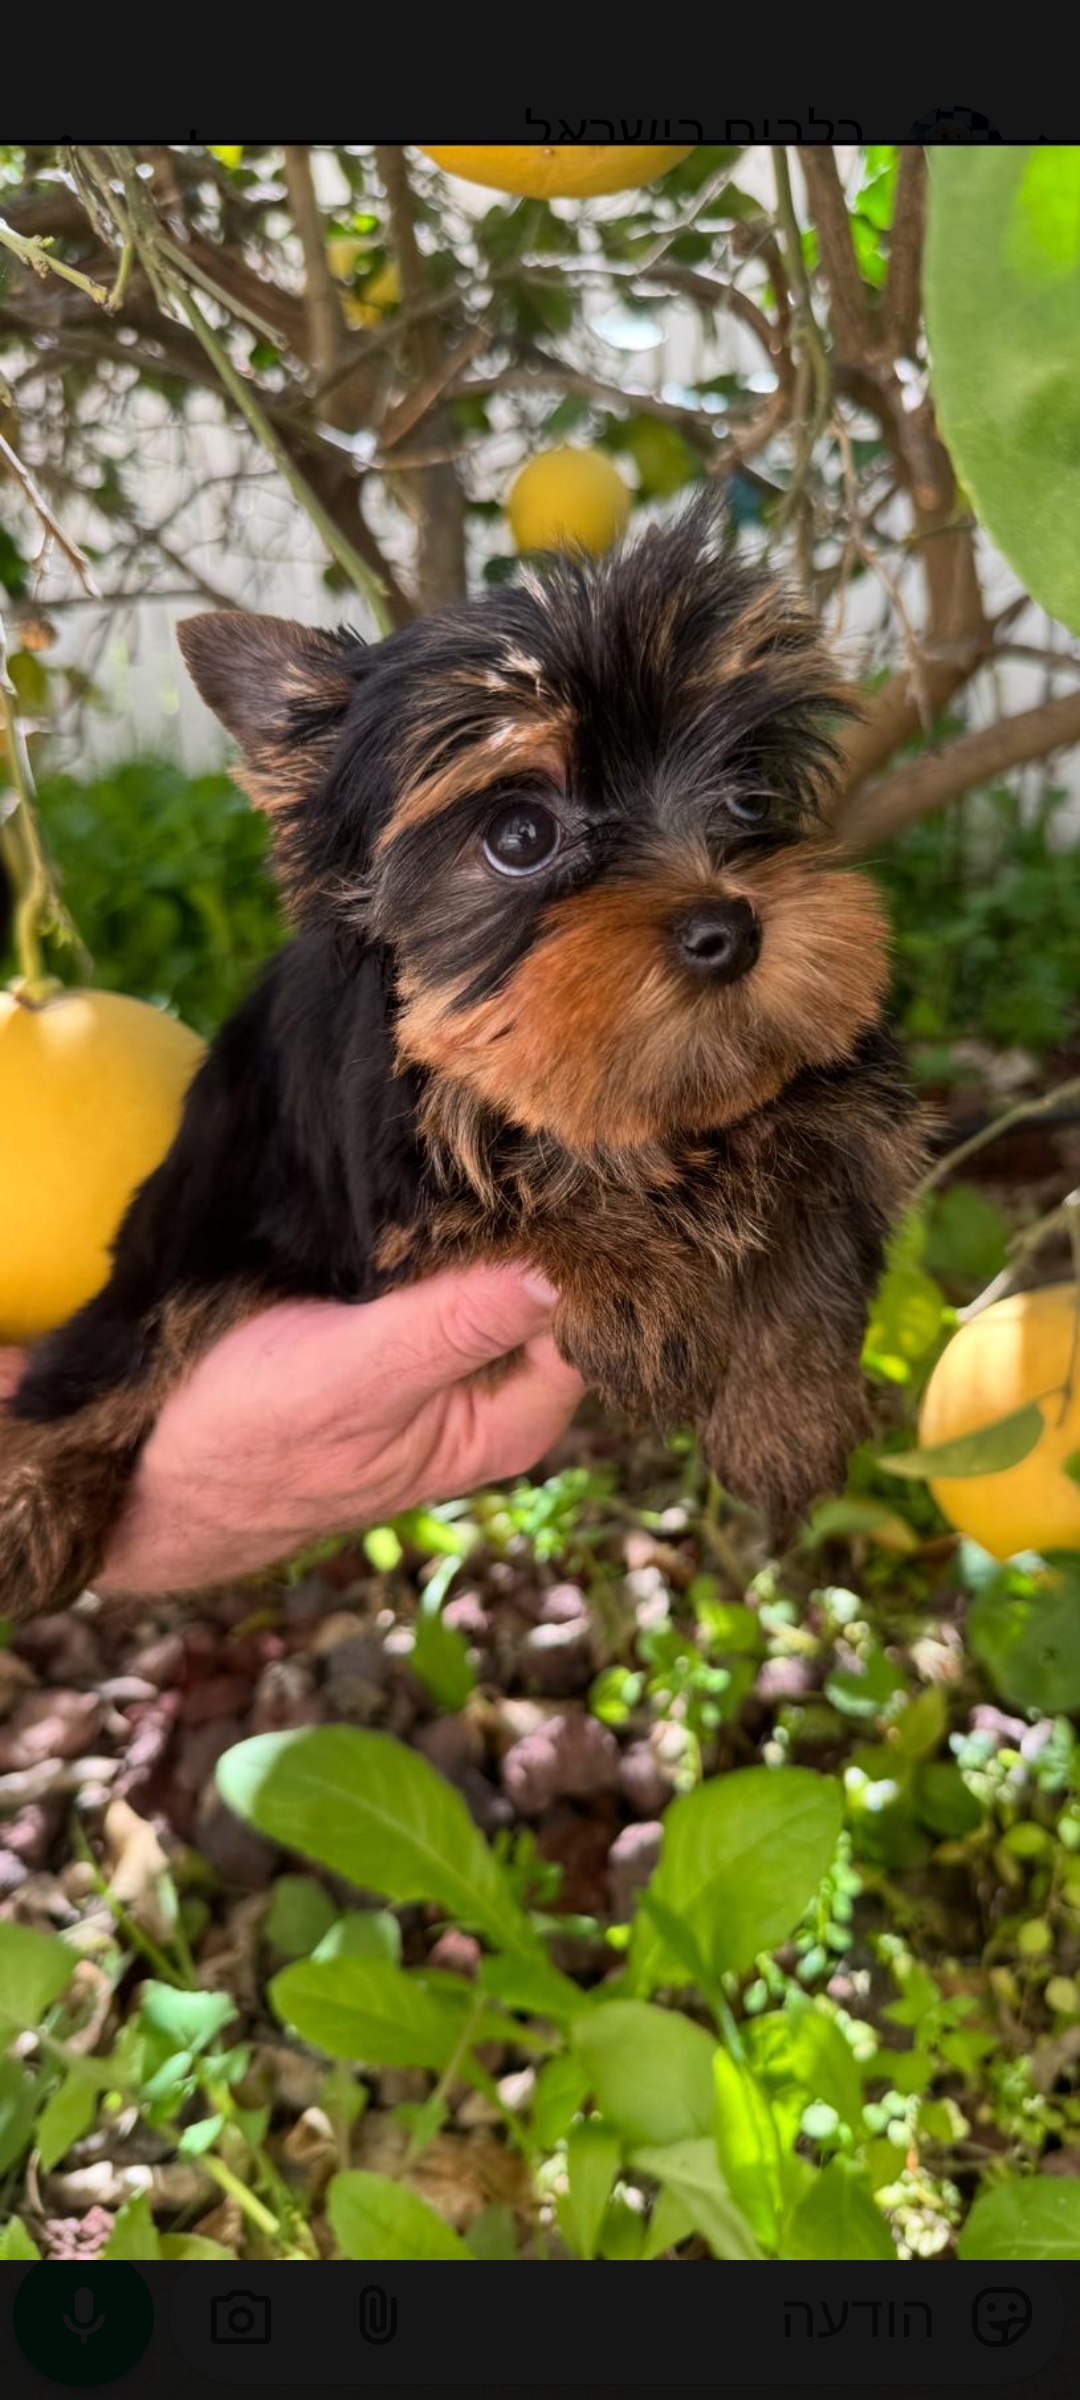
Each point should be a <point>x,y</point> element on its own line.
<point>486,1435</point>
<point>414,1342</point>
<point>12,1363</point>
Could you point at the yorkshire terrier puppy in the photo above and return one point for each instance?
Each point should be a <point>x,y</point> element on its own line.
<point>575,979</point>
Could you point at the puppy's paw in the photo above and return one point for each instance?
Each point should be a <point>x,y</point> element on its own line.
<point>57,1503</point>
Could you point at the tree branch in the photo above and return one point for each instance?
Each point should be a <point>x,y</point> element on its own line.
<point>54,531</point>
<point>848,310</point>
<point>884,807</point>
<point>903,283</point>
<point>326,323</point>
<point>436,492</point>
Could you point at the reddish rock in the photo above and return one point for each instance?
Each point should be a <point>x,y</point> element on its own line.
<point>631,1860</point>
<point>219,1696</point>
<point>467,1615</point>
<point>61,1649</point>
<point>49,1725</point>
<point>644,1782</point>
<point>459,1953</point>
<point>162,1662</point>
<point>565,1604</point>
<point>569,1757</point>
<point>77,2237</point>
<point>559,1658</point>
<point>31,1834</point>
<point>285,1697</point>
<point>239,1855</point>
<point>579,1843</point>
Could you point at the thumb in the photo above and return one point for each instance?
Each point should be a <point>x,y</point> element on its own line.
<point>438,1332</point>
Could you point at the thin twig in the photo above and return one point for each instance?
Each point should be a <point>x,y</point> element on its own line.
<point>54,530</point>
<point>38,907</point>
<point>35,251</point>
<point>1020,1115</point>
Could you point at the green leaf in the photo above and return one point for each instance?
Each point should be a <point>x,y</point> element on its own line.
<point>967,1237</point>
<point>200,2137</point>
<point>987,1452</point>
<point>134,2234</point>
<point>592,2157</point>
<point>838,2218</point>
<point>1002,286</point>
<point>845,1520</point>
<point>34,1970</point>
<point>362,1933</point>
<point>373,2218</point>
<point>742,1858</point>
<point>369,2012</point>
<point>493,2234</point>
<point>18,2109</point>
<point>1036,2217</point>
<point>15,2242</point>
<point>650,2070</point>
<point>691,2173</point>
<point>65,2118</point>
<point>440,1657</point>
<point>944,1802</point>
<point>668,2225</point>
<point>748,2147</point>
<point>195,2246</point>
<point>1025,1627</point>
<point>533,1984</point>
<point>562,2088</point>
<point>801,2058</point>
<point>1071,1466</point>
<point>376,1812</point>
<point>300,1914</point>
<point>905,1324</point>
<point>192,2020</point>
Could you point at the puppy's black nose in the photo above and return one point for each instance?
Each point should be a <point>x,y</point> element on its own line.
<point>720,939</point>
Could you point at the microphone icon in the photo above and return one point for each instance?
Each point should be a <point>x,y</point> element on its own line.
<point>83,2303</point>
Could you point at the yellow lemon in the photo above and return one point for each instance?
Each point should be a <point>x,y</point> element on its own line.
<point>380,293</point>
<point>1017,1350</point>
<point>91,1086</point>
<point>557,170</point>
<point>566,500</point>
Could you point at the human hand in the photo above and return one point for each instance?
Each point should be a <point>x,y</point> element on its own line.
<point>316,1418</point>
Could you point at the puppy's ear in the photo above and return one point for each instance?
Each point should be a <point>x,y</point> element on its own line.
<point>280,689</point>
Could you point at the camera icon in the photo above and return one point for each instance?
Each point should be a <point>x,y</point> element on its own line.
<point>240,2317</point>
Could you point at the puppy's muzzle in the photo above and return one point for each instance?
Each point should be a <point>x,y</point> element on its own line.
<point>718,940</point>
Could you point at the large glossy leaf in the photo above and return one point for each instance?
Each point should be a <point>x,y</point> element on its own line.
<point>649,2069</point>
<point>1038,2217</point>
<point>987,1451</point>
<point>690,2172</point>
<point>373,2218</point>
<point>369,2011</point>
<point>367,1807</point>
<point>742,1857</point>
<point>1025,1627</point>
<point>1002,285</point>
<point>747,2146</point>
<point>802,2058</point>
<point>34,1969</point>
<point>592,2156</point>
<point>838,2218</point>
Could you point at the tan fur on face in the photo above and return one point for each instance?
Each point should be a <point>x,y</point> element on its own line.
<point>514,746</point>
<point>601,1039</point>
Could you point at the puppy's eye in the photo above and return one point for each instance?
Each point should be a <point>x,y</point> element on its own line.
<point>521,838</point>
<point>750,808</point>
